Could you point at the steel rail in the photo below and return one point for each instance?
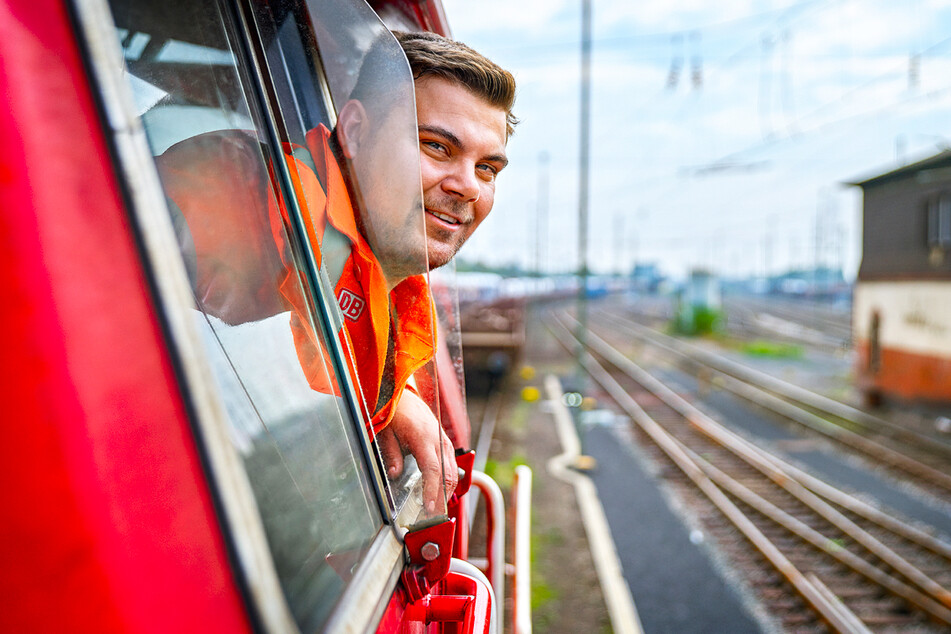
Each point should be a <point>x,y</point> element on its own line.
<point>937,609</point>
<point>859,507</point>
<point>782,388</point>
<point>847,615</point>
<point>821,324</point>
<point>795,310</point>
<point>775,394</point>
<point>490,415</point>
<point>863,509</point>
<point>819,603</point>
<point>716,432</point>
<point>755,458</point>
<point>787,329</point>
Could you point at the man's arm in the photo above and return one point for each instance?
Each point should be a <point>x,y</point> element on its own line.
<point>415,428</point>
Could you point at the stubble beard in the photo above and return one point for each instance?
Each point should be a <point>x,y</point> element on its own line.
<point>442,244</point>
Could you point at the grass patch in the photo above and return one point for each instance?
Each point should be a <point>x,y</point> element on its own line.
<point>503,472</point>
<point>696,321</point>
<point>517,419</point>
<point>772,349</point>
<point>543,594</point>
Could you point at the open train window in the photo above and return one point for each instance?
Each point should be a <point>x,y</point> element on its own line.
<point>332,64</point>
<point>258,304</point>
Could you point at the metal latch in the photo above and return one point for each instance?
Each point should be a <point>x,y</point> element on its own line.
<point>430,554</point>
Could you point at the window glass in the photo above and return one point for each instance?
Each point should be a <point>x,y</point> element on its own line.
<point>358,181</point>
<point>272,364</point>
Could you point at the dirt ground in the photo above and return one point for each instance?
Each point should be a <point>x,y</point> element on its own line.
<point>566,596</point>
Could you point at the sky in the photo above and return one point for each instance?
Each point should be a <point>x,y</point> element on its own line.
<point>723,133</point>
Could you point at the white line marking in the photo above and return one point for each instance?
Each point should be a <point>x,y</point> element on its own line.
<point>617,594</point>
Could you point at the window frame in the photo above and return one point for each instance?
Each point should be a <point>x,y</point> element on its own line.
<point>378,572</point>
<point>329,320</point>
<point>939,220</point>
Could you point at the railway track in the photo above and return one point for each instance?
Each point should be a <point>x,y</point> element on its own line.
<point>823,319</point>
<point>922,459</point>
<point>852,567</point>
<point>796,328</point>
<point>746,319</point>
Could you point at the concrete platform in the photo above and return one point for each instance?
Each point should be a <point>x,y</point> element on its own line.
<point>674,582</point>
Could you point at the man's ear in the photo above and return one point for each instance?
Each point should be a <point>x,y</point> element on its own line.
<point>352,127</point>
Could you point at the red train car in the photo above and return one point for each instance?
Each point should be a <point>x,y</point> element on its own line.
<point>168,466</point>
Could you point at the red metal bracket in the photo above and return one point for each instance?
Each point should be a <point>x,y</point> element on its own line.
<point>465,460</point>
<point>439,609</point>
<point>430,554</point>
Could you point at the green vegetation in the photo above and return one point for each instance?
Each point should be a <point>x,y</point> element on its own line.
<point>504,472</point>
<point>518,419</point>
<point>762,348</point>
<point>835,545</point>
<point>695,321</point>
<point>543,594</point>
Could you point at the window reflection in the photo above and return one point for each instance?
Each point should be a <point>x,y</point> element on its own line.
<point>359,187</point>
<point>299,447</point>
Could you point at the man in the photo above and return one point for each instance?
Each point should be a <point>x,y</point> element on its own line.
<point>463,112</point>
<point>464,116</point>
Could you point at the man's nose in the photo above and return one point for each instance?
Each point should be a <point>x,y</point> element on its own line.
<point>463,182</point>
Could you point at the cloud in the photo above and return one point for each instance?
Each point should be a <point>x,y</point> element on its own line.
<point>528,17</point>
<point>675,15</point>
<point>825,99</point>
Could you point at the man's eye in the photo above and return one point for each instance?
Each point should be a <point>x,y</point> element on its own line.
<point>434,145</point>
<point>489,170</point>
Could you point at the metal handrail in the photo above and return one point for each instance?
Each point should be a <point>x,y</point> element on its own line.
<point>495,531</point>
<point>522,611</point>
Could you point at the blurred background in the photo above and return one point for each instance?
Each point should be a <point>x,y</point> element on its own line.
<point>723,134</point>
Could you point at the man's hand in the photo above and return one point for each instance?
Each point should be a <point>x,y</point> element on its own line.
<point>415,428</point>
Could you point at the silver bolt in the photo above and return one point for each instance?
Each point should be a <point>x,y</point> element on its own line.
<point>429,551</point>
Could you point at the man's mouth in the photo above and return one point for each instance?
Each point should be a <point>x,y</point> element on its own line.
<point>444,217</point>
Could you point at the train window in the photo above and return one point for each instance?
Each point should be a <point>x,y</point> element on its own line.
<point>273,367</point>
<point>356,174</point>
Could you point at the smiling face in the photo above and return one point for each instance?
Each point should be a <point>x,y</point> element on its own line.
<point>462,150</point>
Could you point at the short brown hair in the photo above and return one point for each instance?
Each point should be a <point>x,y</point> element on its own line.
<point>432,54</point>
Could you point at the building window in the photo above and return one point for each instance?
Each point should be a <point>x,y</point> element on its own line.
<point>939,228</point>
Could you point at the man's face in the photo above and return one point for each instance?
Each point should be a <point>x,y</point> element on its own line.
<point>462,150</point>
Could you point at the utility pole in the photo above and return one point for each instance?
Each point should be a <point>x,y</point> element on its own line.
<point>541,213</point>
<point>619,242</point>
<point>817,248</point>
<point>583,181</point>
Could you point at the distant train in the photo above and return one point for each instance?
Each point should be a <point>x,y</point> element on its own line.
<point>901,315</point>
<point>492,311</point>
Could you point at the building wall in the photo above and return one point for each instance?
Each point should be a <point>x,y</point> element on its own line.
<point>895,229</point>
<point>913,360</point>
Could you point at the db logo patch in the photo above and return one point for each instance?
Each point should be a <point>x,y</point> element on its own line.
<point>350,304</point>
